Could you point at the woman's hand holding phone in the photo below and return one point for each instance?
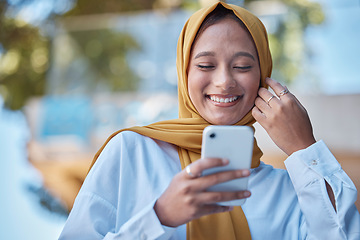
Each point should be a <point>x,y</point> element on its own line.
<point>187,198</point>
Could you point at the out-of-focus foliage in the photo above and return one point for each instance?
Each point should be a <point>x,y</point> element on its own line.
<point>24,55</point>
<point>106,51</point>
<point>287,43</point>
<point>25,50</point>
<point>87,7</point>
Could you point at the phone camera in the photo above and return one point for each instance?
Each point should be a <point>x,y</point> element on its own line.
<point>212,135</point>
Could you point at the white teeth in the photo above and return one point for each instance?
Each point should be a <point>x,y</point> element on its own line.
<point>223,100</point>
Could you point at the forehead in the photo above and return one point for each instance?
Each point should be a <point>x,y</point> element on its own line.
<point>224,34</point>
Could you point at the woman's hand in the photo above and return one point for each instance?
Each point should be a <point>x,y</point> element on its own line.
<point>284,118</point>
<point>186,197</point>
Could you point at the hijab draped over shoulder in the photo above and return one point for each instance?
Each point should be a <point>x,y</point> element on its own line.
<point>186,131</point>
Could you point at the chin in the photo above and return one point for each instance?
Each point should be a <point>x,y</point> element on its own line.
<point>224,119</point>
<point>221,121</point>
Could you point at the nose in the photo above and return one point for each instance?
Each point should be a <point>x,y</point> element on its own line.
<point>224,79</point>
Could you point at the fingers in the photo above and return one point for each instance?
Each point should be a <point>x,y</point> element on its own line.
<point>263,101</point>
<point>208,201</point>
<point>190,173</point>
<point>279,89</point>
<point>188,191</point>
<point>266,100</point>
<point>220,177</point>
<point>258,115</point>
<point>215,197</point>
<point>195,169</point>
<point>283,117</point>
<point>194,172</point>
<point>214,208</point>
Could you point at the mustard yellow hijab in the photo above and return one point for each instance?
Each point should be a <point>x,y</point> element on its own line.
<point>186,131</point>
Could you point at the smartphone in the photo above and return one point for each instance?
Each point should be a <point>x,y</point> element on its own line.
<point>234,143</point>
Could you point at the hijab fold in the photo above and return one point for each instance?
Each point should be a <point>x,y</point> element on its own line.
<point>186,131</point>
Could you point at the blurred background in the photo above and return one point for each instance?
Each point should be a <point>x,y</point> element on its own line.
<point>74,71</point>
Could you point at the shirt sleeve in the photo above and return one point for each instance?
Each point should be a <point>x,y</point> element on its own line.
<point>96,220</point>
<point>308,170</point>
<point>109,206</point>
<point>144,225</point>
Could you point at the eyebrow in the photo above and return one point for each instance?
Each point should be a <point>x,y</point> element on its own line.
<point>212,54</point>
<point>204,54</point>
<point>244,54</point>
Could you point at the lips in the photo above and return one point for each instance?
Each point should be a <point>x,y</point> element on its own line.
<point>222,99</point>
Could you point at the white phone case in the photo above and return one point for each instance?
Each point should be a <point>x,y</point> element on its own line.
<point>234,143</point>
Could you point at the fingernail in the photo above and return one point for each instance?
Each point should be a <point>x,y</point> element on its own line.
<point>245,172</point>
<point>225,161</point>
<point>246,194</point>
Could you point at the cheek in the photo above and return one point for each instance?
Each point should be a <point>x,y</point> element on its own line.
<point>193,89</point>
<point>252,87</point>
<point>190,85</point>
<point>195,85</point>
<point>191,95</point>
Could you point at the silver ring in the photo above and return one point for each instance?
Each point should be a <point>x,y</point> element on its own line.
<point>283,92</point>
<point>268,101</point>
<point>188,171</point>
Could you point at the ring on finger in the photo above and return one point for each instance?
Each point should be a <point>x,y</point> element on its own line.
<point>283,92</point>
<point>188,171</point>
<point>268,101</point>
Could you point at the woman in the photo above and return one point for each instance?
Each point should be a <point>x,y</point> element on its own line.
<point>146,182</point>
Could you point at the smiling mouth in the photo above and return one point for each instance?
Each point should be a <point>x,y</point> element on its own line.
<point>218,99</point>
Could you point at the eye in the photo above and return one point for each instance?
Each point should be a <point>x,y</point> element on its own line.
<point>205,67</point>
<point>243,68</point>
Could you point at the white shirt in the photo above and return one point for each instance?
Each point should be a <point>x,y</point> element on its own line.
<point>117,198</point>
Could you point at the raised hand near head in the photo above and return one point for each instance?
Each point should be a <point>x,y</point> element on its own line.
<point>283,117</point>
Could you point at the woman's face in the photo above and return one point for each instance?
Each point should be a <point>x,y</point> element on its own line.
<point>223,73</point>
